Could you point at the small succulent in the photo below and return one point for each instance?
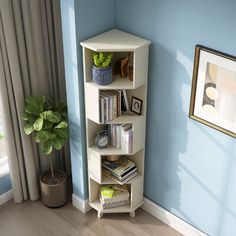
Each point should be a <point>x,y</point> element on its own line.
<point>102,59</point>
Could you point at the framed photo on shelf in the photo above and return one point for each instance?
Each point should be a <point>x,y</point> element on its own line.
<point>213,96</point>
<point>136,105</point>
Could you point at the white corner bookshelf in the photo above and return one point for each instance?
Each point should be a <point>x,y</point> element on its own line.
<point>120,44</point>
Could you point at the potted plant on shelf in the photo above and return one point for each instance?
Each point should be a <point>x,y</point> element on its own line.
<point>102,70</point>
<point>48,125</point>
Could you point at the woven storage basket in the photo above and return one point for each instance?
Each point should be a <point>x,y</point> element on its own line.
<point>102,76</point>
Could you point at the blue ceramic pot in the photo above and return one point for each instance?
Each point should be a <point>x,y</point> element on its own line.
<point>102,76</point>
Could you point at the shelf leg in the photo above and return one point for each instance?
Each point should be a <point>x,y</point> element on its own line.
<point>132,214</point>
<point>100,215</point>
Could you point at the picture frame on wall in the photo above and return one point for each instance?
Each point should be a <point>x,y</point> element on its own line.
<point>213,95</point>
<point>136,105</point>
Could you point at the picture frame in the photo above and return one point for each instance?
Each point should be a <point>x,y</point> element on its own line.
<point>213,95</point>
<point>136,105</point>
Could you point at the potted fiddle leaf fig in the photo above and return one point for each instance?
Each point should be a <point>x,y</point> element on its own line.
<point>102,70</point>
<point>48,125</point>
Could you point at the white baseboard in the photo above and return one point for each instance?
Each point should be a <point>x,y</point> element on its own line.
<point>80,204</point>
<point>170,219</point>
<point>6,197</point>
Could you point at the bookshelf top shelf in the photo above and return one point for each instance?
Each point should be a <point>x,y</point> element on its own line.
<point>115,41</point>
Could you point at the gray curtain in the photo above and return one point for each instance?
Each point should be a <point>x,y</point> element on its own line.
<point>31,63</point>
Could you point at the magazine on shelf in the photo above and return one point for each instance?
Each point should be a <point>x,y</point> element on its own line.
<point>121,182</point>
<point>118,167</point>
<point>126,174</point>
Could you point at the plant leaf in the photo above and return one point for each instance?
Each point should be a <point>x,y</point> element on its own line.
<point>58,143</point>
<point>47,124</point>
<point>38,124</point>
<point>62,125</point>
<point>34,105</point>
<point>54,117</point>
<point>28,117</point>
<point>29,128</point>
<point>46,147</point>
<point>36,138</point>
<point>44,135</point>
<point>61,107</point>
<point>62,133</point>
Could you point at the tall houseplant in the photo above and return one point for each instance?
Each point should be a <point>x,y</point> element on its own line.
<point>102,70</point>
<point>49,127</point>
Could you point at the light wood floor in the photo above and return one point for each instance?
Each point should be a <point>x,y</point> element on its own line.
<point>33,218</point>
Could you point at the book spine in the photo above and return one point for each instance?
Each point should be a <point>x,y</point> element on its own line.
<point>100,110</point>
<point>126,100</point>
<point>130,142</point>
<point>126,140</point>
<point>115,113</point>
<point>107,109</point>
<point>119,102</point>
<point>102,120</point>
<point>113,135</point>
<point>118,136</point>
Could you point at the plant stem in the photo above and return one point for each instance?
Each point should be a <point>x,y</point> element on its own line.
<point>51,166</point>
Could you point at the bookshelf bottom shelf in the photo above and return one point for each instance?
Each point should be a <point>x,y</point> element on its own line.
<point>125,209</point>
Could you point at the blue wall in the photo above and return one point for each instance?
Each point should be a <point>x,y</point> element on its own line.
<point>5,184</point>
<point>190,168</point>
<point>81,19</point>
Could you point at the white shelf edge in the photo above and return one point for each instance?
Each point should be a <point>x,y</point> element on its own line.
<point>124,118</point>
<point>109,151</point>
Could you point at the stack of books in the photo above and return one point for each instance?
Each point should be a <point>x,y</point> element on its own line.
<point>112,103</point>
<point>122,170</point>
<point>122,137</point>
<point>114,196</point>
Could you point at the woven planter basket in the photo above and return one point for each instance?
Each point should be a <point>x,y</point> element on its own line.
<point>102,76</point>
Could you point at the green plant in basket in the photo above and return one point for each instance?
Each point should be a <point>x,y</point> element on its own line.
<point>102,59</point>
<point>47,123</point>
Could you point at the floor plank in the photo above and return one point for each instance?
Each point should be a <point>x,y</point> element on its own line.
<point>34,219</point>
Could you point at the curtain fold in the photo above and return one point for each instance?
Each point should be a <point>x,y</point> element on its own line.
<point>31,63</point>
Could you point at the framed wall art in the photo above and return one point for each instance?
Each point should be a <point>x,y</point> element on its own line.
<point>213,96</point>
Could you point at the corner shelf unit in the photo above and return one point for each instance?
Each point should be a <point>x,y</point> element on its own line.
<point>120,43</point>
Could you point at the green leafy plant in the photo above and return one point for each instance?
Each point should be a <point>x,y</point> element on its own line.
<point>47,123</point>
<point>1,136</point>
<point>102,59</point>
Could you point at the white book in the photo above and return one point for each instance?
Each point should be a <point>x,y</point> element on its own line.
<point>118,136</point>
<point>123,129</point>
<point>109,96</point>
<point>102,115</point>
<point>114,95</point>
<point>127,141</point>
<point>113,135</point>
<point>106,106</point>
